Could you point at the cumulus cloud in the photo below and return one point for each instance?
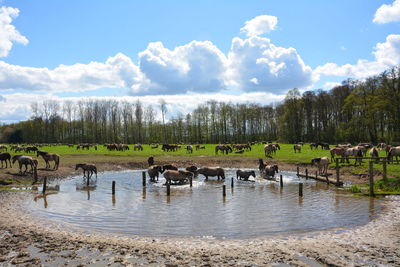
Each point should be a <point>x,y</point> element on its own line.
<point>196,66</point>
<point>8,33</point>
<point>388,13</point>
<point>255,64</point>
<point>386,55</point>
<point>259,25</point>
<point>252,65</point>
<point>117,72</point>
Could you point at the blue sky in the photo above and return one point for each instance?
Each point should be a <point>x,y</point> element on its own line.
<point>129,49</point>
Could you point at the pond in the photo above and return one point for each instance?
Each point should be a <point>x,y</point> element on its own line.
<point>250,209</point>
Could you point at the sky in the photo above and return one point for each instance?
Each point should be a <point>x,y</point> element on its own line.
<point>188,52</point>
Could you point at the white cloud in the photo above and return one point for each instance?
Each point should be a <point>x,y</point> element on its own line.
<point>8,33</point>
<point>117,72</point>
<point>255,64</point>
<point>196,67</point>
<point>388,13</point>
<point>330,85</point>
<point>259,25</point>
<point>386,54</point>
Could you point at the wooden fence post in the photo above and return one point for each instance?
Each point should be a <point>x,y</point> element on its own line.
<point>232,182</point>
<point>87,181</point>
<point>306,174</point>
<point>35,177</point>
<point>191,181</point>
<point>113,188</point>
<point>281,180</point>
<point>297,170</point>
<point>168,189</point>
<point>224,190</point>
<point>371,179</point>
<point>337,171</point>
<point>44,185</point>
<point>144,179</point>
<point>300,189</point>
<point>384,170</point>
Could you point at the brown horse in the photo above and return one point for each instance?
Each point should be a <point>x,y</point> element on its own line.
<point>89,168</point>
<point>224,148</point>
<point>206,171</point>
<point>49,157</point>
<point>24,160</point>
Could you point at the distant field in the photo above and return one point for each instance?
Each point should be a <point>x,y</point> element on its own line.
<point>286,154</point>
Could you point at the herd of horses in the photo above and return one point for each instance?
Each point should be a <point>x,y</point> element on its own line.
<point>344,151</point>
<point>25,160</point>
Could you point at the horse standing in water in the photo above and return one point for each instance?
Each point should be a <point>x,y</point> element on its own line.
<point>89,168</point>
<point>49,157</point>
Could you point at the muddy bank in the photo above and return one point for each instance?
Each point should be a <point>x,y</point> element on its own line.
<point>27,240</point>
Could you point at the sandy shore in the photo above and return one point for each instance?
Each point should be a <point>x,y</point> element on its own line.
<point>27,240</point>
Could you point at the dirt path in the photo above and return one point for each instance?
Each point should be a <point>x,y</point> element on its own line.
<point>26,240</point>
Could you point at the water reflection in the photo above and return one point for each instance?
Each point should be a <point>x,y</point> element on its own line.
<point>199,211</point>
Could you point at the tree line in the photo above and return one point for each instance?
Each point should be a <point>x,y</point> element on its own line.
<point>367,110</point>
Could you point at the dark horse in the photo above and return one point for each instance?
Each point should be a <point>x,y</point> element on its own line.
<point>24,160</point>
<point>89,168</point>
<point>4,157</point>
<point>49,157</point>
<point>224,148</point>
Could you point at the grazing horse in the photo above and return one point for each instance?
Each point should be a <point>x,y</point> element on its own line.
<point>207,171</point>
<point>270,149</point>
<point>24,160</point>
<point>4,157</point>
<point>89,168</point>
<point>322,164</point>
<point>393,152</point>
<point>244,174</point>
<point>313,146</point>
<point>49,157</point>
<point>189,148</point>
<point>224,148</point>
<point>153,172</point>
<point>137,147</point>
<point>297,148</point>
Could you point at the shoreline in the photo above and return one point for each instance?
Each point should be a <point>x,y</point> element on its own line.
<point>28,239</point>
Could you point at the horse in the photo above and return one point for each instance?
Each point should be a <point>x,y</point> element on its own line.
<point>178,177</point>
<point>169,167</point>
<point>4,157</point>
<point>154,171</point>
<point>268,171</point>
<point>150,160</point>
<point>244,174</point>
<point>322,164</point>
<point>393,152</point>
<point>137,147</point>
<point>24,160</point>
<point>209,171</point>
<point>89,168</point>
<point>374,154</point>
<point>224,148</point>
<point>3,147</point>
<point>313,146</point>
<point>49,157</point>
<point>189,148</point>
<point>297,148</point>
<point>270,149</point>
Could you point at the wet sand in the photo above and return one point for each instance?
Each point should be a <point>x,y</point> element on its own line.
<point>26,239</point>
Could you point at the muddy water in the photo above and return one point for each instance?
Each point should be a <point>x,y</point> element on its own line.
<point>250,209</point>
